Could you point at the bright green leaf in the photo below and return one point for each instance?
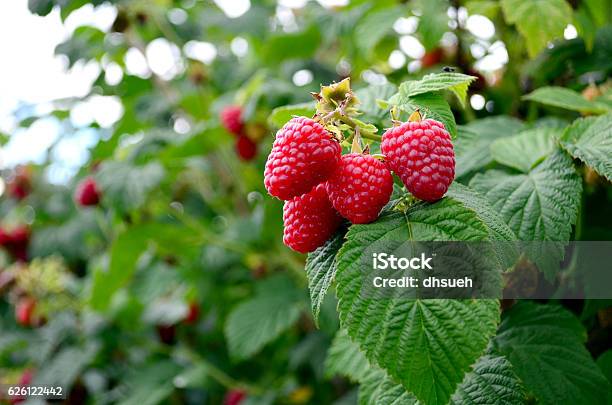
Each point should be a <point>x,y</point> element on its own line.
<point>565,98</point>
<point>281,115</point>
<point>538,21</point>
<point>541,205</point>
<point>525,150</point>
<point>590,140</point>
<point>435,353</point>
<point>321,270</point>
<point>259,320</point>
<point>472,147</point>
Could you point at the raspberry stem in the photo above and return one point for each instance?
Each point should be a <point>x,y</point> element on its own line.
<point>367,134</point>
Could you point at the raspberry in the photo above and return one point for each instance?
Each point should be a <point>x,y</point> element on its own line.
<point>87,192</point>
<point>246,149</point>
<point>309,220</point>
<point>24,311</point>
<point>234,397</point>
<point>231,119</point>
<point>20,186</point>
<point>16,242</point>
<point>304,154</point>
<point>421,154</point>
<point>360,187</point>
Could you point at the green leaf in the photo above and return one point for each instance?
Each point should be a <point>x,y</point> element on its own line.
<point>125,251</point>
<point>64,368</point>
<point>538,21</point>
<point>604,362</point>
<point>497,227</point>
<point>321,270</point>
<point>433,21</point>
<point>431,105</point>
<point>150,384</point>
<point>492,381</point>
<point>345,358</point>
<point>281,115</point>
<point>472,147</point>
<point>545,345</point>
<point>369,99</point>
<point>488,8</point>
<point>126,186</point>
<point>378,389</point>
<point>434,353</point>
<point>282,47</point>
<point>258,321</point>
<point>40,7</point>
<point>565,98</point>
<point>590,140</point>
<point>372,28</point>
<point>525,150</point>
<point>457,83</point>
<point>540,205</point>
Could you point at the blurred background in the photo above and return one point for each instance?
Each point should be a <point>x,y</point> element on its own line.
<point>142,260</point>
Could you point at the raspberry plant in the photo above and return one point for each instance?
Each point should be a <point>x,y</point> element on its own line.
<point>210,246</point>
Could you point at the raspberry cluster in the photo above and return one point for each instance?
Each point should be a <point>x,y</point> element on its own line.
<point>320,186</point>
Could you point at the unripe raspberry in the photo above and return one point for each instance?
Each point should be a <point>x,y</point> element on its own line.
<point>310,220</point>
<point>246,149</point>
<point>421,154</point>
<point>360,187</point>
<point>24,311</point>
<point>304,154</point>
<point>231,119</point>
<point>87,193</point>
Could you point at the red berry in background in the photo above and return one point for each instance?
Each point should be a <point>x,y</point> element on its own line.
<point>87,192</point>
<point>194,313</point>
<point>25,379</point>
<point>167,334</point>
<point>310,220</point>
<point>432,57</point>
<point>421,154</point>
<point>234,397</point>
<point>246,149</point>
<point>16,241</point>
<point>20,186</point>
<point>24,311</point>
<point>231,119</point>
<point>360,187</point>
<point>304,154</point>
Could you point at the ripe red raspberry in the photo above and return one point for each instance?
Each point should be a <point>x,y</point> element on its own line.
<point>87,192</point>
<point>310,220</point>
<point>360,187</point>
<point>304,154</point>
<point>234,397</point>
<point>231,119</point>
<point>421,154</point>
<point>246,149</point>
<point>24,311</point>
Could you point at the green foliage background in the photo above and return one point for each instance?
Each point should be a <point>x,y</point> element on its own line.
<point>184,221</point>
